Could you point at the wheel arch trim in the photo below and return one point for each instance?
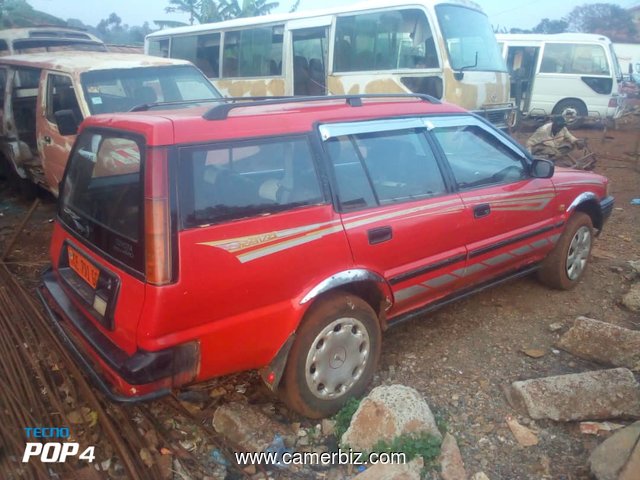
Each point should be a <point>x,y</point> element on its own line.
<point>580,199</point>
<point>591,201</point>
<point>347,277</point>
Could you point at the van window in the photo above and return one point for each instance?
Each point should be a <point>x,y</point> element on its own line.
<point>219,183</point>
<point>61,96</point>
<point>477,158</point>
<point>397,165</point>
<point>574,58</point>
<point>384,41</point>
<point>255,52</point>
<point>159,47</point>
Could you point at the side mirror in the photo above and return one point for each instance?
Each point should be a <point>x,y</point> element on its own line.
<point>66,121</point>
<point>542,168</point>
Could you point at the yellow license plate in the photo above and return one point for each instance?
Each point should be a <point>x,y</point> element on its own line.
<point>83,267</point>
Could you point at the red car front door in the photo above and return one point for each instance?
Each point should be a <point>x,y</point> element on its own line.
<point>514,218</point>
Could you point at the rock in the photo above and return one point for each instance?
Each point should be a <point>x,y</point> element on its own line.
<point>249,428</point>
<point>554,327</point>
<point>635,266</point>
<point>632,299</point>
<point>603,343</point>
<point>594,428</point>
<point>406,471</point>
<point>525,436</point>
<point>631,469</point>
<point>598,395</point>
<point>534,352</point>
<point>388,412</point>
<point>480,476</point>
<point>328,427</point>
<point>249,469</point>
<point>608,460</point>
<point>451,465</point>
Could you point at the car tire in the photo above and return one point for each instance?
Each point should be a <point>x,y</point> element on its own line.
<point>333,357</point>
<point>564,266</point>
<point>567,108</point>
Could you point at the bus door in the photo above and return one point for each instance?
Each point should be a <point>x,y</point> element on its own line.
<point>521,62</point>
<point>309,53</point>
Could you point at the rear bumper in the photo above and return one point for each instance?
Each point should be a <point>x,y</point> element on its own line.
<point>121,377</point>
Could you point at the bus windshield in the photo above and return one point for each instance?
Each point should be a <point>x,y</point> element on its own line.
<point>467,33</point>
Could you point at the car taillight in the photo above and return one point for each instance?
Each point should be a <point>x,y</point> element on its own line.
<point>157,226</point>
<point>613,102</point>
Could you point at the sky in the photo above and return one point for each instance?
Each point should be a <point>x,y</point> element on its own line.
<point>514,13</point>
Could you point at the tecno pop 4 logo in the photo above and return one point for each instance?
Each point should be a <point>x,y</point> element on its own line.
<point>51,446</point>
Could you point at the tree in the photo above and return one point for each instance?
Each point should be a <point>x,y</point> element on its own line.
<point>18,13</point>
<point>551,26</point>
<point>602,18</point>
<point>204,11</point>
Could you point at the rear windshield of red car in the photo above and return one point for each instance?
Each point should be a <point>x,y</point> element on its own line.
<point>101,197</point>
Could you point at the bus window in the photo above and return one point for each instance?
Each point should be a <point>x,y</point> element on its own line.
<point>201,50</point>
<point>255,52</point>
<point>579,59</point>
<point>309,61</point>
<point>159,47</point>
<point>384,41</point>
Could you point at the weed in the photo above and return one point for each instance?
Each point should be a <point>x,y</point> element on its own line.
<point>422,445</point>
<point>343,417</point>
<point>441,422</point>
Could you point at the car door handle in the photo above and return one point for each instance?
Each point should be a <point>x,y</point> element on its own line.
<point>379,235</point>
<point>481,210</point>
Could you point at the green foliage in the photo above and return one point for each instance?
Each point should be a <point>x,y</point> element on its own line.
<point>602,18</point>
<point>422,445</point>
<point>343,417</point>
<point>551,26</point>
<point>441,422</point>
<point>18,13</point>
<point>205,11</point>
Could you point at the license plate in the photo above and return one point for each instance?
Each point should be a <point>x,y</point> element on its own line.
<point>83,267</point>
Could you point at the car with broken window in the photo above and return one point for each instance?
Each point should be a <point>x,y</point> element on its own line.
<point>286,235</point>
<point>44,96</point>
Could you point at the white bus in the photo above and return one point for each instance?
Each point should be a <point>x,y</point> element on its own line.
<point>572,74</point>
<point>446,49</point>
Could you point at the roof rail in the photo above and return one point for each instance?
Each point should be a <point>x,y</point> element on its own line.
<point>221,112</point>
<point>143,107</point>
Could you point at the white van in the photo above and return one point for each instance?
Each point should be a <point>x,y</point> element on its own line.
<point>572,74</point>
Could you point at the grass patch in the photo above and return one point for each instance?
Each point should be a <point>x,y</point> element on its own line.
<point>422,445</point>
<point>343,417</point>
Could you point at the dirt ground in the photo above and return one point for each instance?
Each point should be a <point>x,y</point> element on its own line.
<point>462,356</point>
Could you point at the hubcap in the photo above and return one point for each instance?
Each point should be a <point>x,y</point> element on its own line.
<point>578,252</point>
<point>337,358</point>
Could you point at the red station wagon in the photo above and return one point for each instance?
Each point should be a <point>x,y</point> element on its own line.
<point>285,235</point>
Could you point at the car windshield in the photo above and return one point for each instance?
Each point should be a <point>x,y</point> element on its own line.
<point>468,34</point>
<point>119,90</point>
